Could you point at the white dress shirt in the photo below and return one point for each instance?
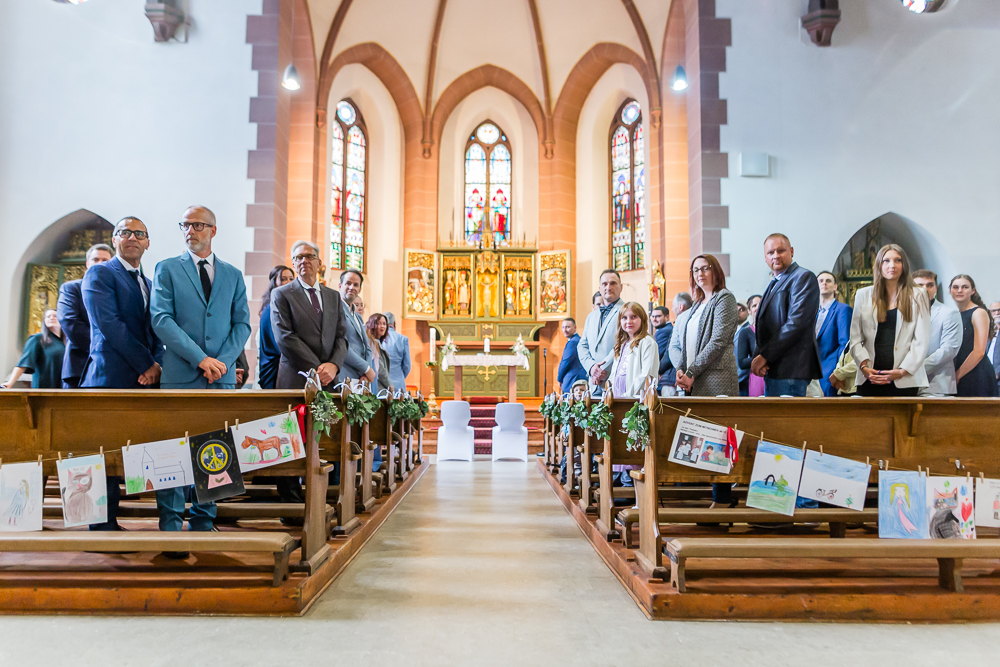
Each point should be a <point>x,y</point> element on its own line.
<point>142,283</point>
<point>209,268</point>
<point>315,286</point>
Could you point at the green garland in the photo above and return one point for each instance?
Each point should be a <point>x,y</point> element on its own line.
<point>361,408</point>
<point>599,420</point>
<point>423,408</point>
<point>636,425</point>
<point>547,405</point>
<point>562,414</point>
<point>325,413</point>
<point>580,415</point>
<point>403,408</point>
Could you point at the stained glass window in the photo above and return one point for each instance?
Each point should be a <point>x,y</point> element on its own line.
<point>628,189</point>
<point>348,188</point>
<point>488,187</point>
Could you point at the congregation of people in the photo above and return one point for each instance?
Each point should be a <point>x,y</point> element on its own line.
<point>188,326</point>
<point>794,339</point>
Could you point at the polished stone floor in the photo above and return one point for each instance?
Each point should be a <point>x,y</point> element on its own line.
<point>479,565</point>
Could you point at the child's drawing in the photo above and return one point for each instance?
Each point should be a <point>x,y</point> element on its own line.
<point>774,482</point>
<point>268,441</point>
<point>216,472</point>
<point>902,505</point>
<point>157,465</point>
<point>988,503</point>
<point>949,508</point>
<point>834,480</point>
<point>702,445</point>
<point>21,497</point>
<point>83,485</point>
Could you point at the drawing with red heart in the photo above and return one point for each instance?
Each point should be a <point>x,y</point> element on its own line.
<point>966,510</point>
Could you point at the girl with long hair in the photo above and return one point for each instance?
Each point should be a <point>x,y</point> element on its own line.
<point>890,329</point>
<point>636,356</point>
<point>268,353</point>
<point>377,328</point>
<point>973,371</point>
<point>42,356</point>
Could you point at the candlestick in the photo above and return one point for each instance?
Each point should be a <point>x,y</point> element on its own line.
<point>433,344</point>
<point>486,345</point>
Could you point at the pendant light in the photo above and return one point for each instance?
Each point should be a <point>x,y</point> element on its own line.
<point>680,80</point>
<point>290,79</point>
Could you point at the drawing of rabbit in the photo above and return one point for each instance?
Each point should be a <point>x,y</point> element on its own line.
<point>77,505</point>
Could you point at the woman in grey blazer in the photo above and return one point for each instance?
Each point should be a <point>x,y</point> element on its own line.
<point>701,347</point>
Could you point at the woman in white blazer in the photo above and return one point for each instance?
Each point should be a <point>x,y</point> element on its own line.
<point>890,329</point>
<point>637,358</point>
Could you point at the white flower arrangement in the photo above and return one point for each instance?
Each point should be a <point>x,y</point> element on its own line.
<point>447,349</point>
<point>520,348</point>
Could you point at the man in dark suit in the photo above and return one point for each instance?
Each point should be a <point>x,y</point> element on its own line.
<point>662,331</point>
<point>311,332</point>
<point>358,363</point>
<point>124,351</point>
<point>786,324</point>
<point>570,368</point>
<point>833,328</point>
<point>73,319</point>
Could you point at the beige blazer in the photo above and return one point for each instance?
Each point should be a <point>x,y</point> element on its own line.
<point>643,364</point>
<point>911,338</point>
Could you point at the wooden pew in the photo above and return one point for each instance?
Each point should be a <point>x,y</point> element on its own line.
<point>146,509</point>
<point>280,545</point>
<point>49,421</point>
<point>576,436</point>
<point>908,432</point>
<point>949,553</point>
<point>614,451</point>
<point>380,432</point>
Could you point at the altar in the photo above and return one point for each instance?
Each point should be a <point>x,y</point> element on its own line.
<point>483,362</point>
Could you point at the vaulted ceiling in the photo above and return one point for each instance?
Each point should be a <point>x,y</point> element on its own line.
<point>538,41</point>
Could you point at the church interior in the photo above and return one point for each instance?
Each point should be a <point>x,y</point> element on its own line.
<point>483,169</point>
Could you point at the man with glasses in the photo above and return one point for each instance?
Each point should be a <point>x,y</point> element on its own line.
<point>310,332</point>
<point>200,312</point>
<point>124,351</point>
<point>73,319</point>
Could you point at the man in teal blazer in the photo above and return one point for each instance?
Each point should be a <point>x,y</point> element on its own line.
<point>200,313</point>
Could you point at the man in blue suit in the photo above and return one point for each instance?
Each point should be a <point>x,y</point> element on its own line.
<point>358,362</point>
<point>200,313</point>
<point>833,328</point>
<point>124,350</point>
<point>570,369</point>
<point>73,319</point>
<point>397,346</point>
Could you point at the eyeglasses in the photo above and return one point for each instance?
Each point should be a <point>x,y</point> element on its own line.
<point>701,269</point>
<point>196,226</point>
<point>304,258</point>
<point>137,233</point>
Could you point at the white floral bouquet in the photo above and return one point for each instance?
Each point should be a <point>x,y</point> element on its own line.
<point>520,348</point>
<point>447,349</point>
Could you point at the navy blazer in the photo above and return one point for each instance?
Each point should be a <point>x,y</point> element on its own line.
<point>746,350</point>
<point>833,337</point>
<point>668,374</point>
<point>123,345</point>
<point>570,369</point>
<point>269,354</point>
<point>786,326</point>
<point>75,326</point>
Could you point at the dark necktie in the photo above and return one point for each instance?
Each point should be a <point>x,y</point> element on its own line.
<point>314,299</point>
<point>206,283</point>
<point>604,313</point>
<point>138,281</point>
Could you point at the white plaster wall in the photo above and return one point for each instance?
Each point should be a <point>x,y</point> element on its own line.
<point>593,200</point>
<point>513,119</point>
<point>898,115</point>
<point>383,287</point>
<point>96,115</point>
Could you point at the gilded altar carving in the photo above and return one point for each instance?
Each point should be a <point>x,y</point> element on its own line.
<point>420,288</point>
<point>656,282</point>
<point>554,285</point>
<point>487,284</point>
<point>43,294</point>
<point>456,298</point>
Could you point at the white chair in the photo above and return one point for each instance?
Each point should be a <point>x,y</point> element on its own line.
<point>456,440</point>
<point>510,437</point>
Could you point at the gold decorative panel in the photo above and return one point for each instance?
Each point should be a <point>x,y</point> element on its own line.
<point>421,287</point>
<point>554,285</point>
<point>457,295</point>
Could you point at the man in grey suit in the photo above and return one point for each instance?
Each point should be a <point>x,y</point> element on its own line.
<point>310,332</point>
<point>397,346</point>
<point>308,323</point>
<point>597,344</point>
<point>946,338</point>
<point>358,362</point>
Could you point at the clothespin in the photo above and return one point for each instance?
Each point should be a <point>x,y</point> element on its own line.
<point>237,424</point>
<point>1,462</point>
<point>102,450</point>
<point>127,443</point>
<point>39,459</point>
<point>820,450</point>
<point>186,438</point>
<point>227,425</point>
<point>761,437</point>
<point>688,413</point>
<point>867,461</point>
<point>804,443</point>
<point>59,454</point>
<point>968,477</point>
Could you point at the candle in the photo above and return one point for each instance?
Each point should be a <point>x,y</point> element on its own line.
<point>486,345</point>
<point>433,344</point>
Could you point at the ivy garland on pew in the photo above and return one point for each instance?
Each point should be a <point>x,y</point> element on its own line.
<point>325,413</point>
<point>546,407</point>
<point>599,420</point>
<point>636,425</point>
<point>423,408</point>
<point>579,414</point>
<point>361,408</point>
<point>404,408</point>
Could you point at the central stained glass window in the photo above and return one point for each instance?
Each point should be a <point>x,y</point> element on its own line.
<point>628,189</point>
<point>348,188</point>
<point>488,187</point>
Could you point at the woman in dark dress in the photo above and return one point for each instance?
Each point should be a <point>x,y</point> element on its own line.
<point>42,356</point>
<point>973,370</point>
<point>268,353</point>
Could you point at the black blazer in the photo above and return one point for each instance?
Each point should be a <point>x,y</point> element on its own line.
<point>786,326</point>
<point>746,350</point>
<point>304,339</point>
<point>76,330</point>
